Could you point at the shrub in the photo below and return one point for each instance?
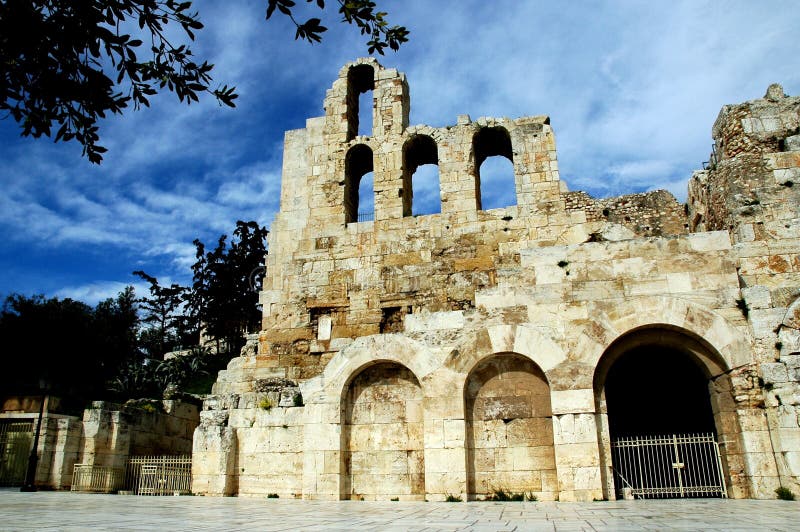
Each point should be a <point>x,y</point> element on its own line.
<point>272,496</point>
<point>784,494</point>
<point>453,498</point>
<point>265,404</point>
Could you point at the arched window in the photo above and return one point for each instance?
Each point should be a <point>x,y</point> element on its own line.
<point>421,177</point>
<point>360,83</point>
<point>494,168</point>
<point>359,193</point>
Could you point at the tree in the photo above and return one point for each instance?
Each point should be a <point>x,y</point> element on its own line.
<point>222,282</point>
<point>163,312</point>
<point>115,324</point>
<point>66,344</point>
<point>66,64</point>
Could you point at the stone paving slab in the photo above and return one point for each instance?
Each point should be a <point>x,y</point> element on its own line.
<point>52,511</point>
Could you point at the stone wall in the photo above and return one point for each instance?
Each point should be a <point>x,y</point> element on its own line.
<point>466,351</point>
<point>106,436</point>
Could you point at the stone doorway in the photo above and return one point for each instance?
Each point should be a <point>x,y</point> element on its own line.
<point>383,435</point>
<point>509,428</point>
<point>658,383</point>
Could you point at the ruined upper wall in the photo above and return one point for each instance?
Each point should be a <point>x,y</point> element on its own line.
<point>748,187</point>
<point>335,273</point>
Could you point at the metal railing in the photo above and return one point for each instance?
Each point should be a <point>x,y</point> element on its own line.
<point>675,465</point>
<point>159,475</point>
<point>96,479</point>
<point>366,216</point>
<point>15,448</point>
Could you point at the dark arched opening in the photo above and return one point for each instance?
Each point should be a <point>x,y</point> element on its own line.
<point>358,164</point>
<point>421,174</point>
<point>655,389</point>
<point>360,83</point>
<point>494,168</point>
<point>663,396</point>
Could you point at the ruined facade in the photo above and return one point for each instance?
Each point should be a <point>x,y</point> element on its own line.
<point>456,353</point>
<point>105,436</point>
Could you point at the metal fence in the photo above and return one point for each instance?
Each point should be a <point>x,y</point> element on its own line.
<point>675,465</point>
<point>143,475</point>
<point>15,449</point>
<point>96,479</point>
<point>159,475</point>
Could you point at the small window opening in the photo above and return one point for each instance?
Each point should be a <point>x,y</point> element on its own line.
<point>421,177</point>
<point>360,84</point>
<point>365,114</point>
<point>392,319</point>
<point>359,192</point>
<point>494,168</point>
<point>366,198</point>
<point>321,319</point>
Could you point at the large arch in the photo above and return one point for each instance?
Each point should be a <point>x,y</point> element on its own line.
<point>382,434</point>
<point>660,380</point>
<point>610,320</point>
<point>509,428</point>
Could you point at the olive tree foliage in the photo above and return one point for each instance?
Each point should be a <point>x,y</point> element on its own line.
<point>68,63</point>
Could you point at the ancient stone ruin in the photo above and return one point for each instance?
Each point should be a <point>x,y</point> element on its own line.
<point>520,348</point>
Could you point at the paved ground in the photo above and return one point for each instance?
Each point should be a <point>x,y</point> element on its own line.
<point>73,511</point>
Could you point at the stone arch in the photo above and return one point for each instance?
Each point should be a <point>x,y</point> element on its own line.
<point>360,80</point>
<point>493,141</point>
<point>614,319</point>
<point>364,351</point>
<point>382,434</point>
<point>509,428</point>
<point>358,163</point>
<point>521,339</point>
<point>681,345</point>
<point>419,150</point>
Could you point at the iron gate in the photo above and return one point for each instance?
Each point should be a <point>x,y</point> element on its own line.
<point>675,465</point>
<point>15,449</point>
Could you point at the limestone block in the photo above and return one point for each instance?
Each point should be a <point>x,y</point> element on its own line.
<point>574,428</point>
<point>572,401</point>
<point>572,455</point>
<point>774,372</point>
<point>764,321</point>
<point>711,241</point>
<point>433,321</point>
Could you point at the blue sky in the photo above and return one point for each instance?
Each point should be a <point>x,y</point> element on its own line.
<point>632,90</point>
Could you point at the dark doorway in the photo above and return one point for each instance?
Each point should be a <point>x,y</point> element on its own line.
<point>653,390</point>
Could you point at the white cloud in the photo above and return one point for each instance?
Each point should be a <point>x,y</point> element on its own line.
<point>632,89</point>
<point>94,292</point>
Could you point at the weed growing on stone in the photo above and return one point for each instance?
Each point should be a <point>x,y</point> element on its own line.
<point>265,404</point>
<point>272,496</point>
<point>500,494</point>
<point>743,307</point>
<point>784,494</point>
<point>453,498</point>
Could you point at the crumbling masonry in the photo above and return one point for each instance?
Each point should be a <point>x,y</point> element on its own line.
<point>455,353</point>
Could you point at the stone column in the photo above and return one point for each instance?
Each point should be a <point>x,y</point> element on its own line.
<point>576,445</point>
<point>323,452</point>
<point>214,455</point>
<point>445,437</point>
